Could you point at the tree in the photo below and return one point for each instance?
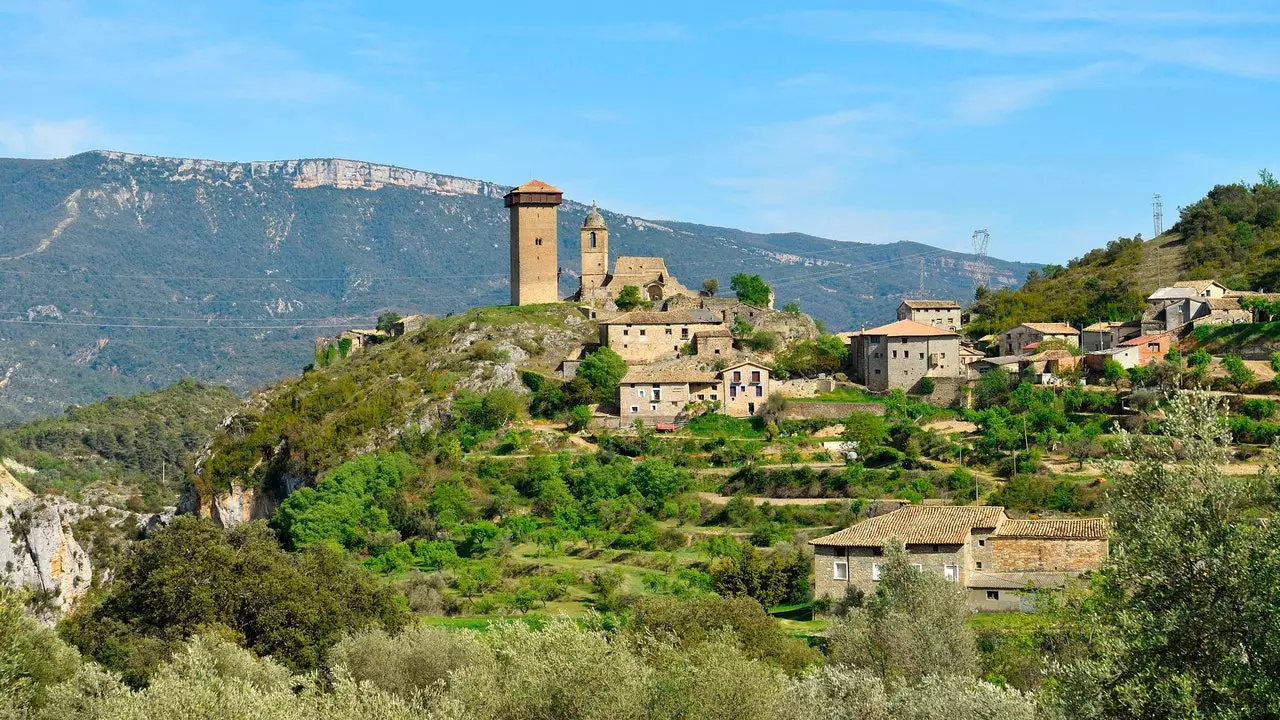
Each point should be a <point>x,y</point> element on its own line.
<point>927,386</point>
<point>387,321</point>
<point>750,289</point>
<point>659,481</point>
<point>792,307</point>
<point>710,287</point>
<point>603,369</point>
<point>629,298</point>
<point>865,431</point>
<point>1239,376</point>
<point>915,625</point>
<point>1199,358</point>
<point>767,578</point>
<point>774,408</point>
<point>348,504</point>
<point>579,417</point>
<point>192,576</point>
<point>1183,621</point>
<point>1113,372</point>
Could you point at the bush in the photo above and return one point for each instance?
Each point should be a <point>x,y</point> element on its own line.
<point>603,370</point>
<point>417,660</point>
<point>1258,408</point>
<point>696,621</point>
<point>926,386</point>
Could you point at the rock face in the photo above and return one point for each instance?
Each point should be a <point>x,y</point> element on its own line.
<point>39,550</point>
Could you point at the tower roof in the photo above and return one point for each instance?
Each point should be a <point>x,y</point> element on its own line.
<point>594,220</point>
<point>537,186</point>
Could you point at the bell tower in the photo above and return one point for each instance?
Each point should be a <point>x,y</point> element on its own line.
<point>535,274</point>
<point>595,253</point>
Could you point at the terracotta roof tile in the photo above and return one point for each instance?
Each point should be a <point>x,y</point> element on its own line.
<point>932,304</point>
<point>653,317</point>
<point>536,186</point>
<point>909,328</point>
<point>917,525</point>
<point>1052,328</point>
<point>1094,528</point>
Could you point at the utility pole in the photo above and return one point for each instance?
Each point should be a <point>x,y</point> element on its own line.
<point>1157,215</point>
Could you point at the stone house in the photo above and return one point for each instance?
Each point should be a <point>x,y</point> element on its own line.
<point>713,342</point>
<point>644,336</point>
<point>980,548</point>
<point>661,392</point>
<point>1204,288</point>
<point>1018,339</point>
<point>943,314</point>
<point>1151,348</point>
<point>902,353</point>
<point>1104,335</point>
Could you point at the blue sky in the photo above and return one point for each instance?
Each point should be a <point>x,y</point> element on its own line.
<point>1050,123</point>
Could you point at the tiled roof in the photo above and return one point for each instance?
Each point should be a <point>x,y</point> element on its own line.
<point>932,304</point>
<point>1223,303</point>
<point>536,186</point>
<point>675,371</point>
<point>1198,285</point>
<point>1103,326</point>
<point>1051,328</point>
<point>909,328</point>
<point>1144,339</point>
<point>917,525</point>
<point>1004,359</point>
<point>713,333</point>
<point>652,317</point>
<point>1094,528</point>
<point>1171,293</point>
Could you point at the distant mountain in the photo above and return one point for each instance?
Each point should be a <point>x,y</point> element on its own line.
<point>123,272</point>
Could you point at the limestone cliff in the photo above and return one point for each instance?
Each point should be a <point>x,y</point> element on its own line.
<point>39,550</point>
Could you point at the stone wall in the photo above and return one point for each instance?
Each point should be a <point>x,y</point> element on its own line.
<point>1046,555</point>
<point>813,410</point>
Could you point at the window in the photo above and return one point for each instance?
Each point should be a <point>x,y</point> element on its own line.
<point>759,391</point>
<point>701,396</point>
<point>978,565</point>
<point>904,341</point>
<point>635,409</point>
<point>875,341</point>
<point>993,594</point>
<point>626,331</point>
<point>654,408</point>
<point>640,392</point>
<point>751,408</point>
<point>951,573</point>
<point>943,355</point>
<point>921,356</point>
<point>642,332</point>
<point>593,238</point>
<point>840,570</point>
<point>668,331</point>
<point>657,393</point>
<point>733,391</point>
<point>895,353</point>
<point>877,551</point>
<point>684,333</point>
<point>877,371</point>
<point>737,377</point>
<point>717,351</point>
<point>537,241</point>
<point>982,542</point>
<point>755,376</point>
<point>935,548</point>
<point>714,396</point>
<point>875,571</point>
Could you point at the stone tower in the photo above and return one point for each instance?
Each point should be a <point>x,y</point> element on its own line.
<point>534,269</point>
<point>595,253</point>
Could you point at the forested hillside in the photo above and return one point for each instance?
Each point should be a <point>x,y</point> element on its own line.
<point>121,273</point>
<point>1231,235</point>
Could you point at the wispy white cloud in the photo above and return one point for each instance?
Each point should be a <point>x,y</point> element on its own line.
<point>989,100</point>
<point>50,139</point>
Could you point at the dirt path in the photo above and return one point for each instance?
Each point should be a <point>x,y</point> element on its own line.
<point>951,426</point>
<point>715,499</point>
<point>73,212</point>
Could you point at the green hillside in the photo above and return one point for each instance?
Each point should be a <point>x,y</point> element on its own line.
<point>125,451</point>
<point>121,273</point>
<point>1231,235</point>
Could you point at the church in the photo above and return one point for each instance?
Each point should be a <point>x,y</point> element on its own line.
<point>534,267</point>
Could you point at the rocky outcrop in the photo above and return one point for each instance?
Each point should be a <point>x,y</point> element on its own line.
<point>39,551</point>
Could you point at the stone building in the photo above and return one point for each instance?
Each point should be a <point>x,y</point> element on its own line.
<point>1017,340</point>
<point>663,392</point>
<point>535,272</point>
<point>643,336</point>
<point>1106,335</point>
<point>900,354</point>
<point>980,548</point>
<point>718,341</point>
<point>648,274</point>
<point>943,314</point>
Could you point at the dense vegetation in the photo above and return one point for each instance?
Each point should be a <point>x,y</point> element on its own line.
<point>131,451</point>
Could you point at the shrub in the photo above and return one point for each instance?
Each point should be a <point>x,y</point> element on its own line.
<point>1258,408</point>
<point>750,289</point>
<point>926,386</point>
